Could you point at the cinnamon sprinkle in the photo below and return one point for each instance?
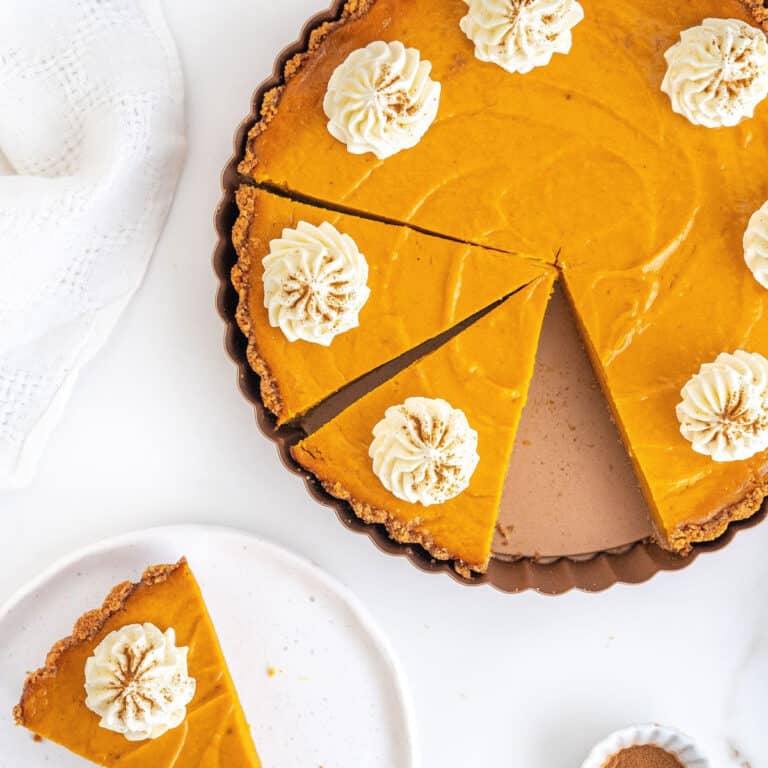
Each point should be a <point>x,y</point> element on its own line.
<point>645,756</point>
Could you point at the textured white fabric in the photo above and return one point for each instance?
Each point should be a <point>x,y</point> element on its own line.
<point>92,144</point>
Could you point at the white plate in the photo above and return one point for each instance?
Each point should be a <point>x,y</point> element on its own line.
<point>336,698</point>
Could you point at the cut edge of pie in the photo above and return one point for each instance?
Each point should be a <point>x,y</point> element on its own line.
<point>680,538</point>
<point>253,203</point>
<point>87,627</point>
<point>350,11</point>
<point>403,532</point>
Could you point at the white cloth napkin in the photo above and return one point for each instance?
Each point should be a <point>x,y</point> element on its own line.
<point>92,132</point>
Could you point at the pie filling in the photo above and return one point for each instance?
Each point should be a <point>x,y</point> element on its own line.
<point>324,411</point>
<point>329,205</point>
<point>585,157</point>
<point>326,260</point>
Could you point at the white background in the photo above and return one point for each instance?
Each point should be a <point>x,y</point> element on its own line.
<point>158,433</point>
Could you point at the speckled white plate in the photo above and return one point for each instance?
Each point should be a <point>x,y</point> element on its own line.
<point>335,698</point>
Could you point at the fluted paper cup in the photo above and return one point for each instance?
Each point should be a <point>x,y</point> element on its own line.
<point>647,734</point>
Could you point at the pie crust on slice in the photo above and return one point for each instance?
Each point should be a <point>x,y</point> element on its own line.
<point>583,157</point>
<point>214,732</point>
<point>484,371</point>
<point>420,287</point>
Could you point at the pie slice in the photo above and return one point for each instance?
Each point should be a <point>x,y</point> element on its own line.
<point>420,286</point>
<point>483,371</point>
<point>214,731</point>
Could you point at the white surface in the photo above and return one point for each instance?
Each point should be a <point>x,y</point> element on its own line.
<point>333,672</point>
<point>748,702</point>
<point>91,95</point>
<point>158,433</point>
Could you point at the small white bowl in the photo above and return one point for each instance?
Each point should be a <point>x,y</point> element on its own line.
<point>646,734</point>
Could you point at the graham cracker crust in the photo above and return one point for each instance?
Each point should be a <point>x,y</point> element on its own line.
<point>87,627</point>
<point>350,11</point>
<point>270,101</point>
<point>396,529</point>
<point>682,538</point>
<point>241,277</point>
<point>759,10</point>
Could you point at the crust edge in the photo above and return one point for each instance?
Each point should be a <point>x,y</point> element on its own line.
<point>241,280</point>
<point>396,529</point>
<point>270,100</point>
<point>759,11</point>
<point>87,627</point>
<point>682,538</point>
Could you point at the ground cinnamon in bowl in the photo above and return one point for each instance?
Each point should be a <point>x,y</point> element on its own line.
<point>645,756</point>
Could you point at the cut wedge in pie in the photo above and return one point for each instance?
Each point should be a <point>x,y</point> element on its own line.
<point>591,144</point>
<point>484,372</point>
<point>419,287</point>
<point>213,730</point>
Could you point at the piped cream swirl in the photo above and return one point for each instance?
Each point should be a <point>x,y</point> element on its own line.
<point>315,283</point>
<point>424,451</point>
<point>718,73</point>
<point>381,99</point>
<point>756,245</point>
<point>137,682</point>
<point>724,408</point>
<point>519,35</point>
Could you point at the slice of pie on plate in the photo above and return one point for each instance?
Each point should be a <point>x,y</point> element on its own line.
<point>405,288</point>
<point>142,682</point>
<point>448,425</point>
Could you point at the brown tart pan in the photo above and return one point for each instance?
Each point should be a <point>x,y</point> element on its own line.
<point>625,556</point>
